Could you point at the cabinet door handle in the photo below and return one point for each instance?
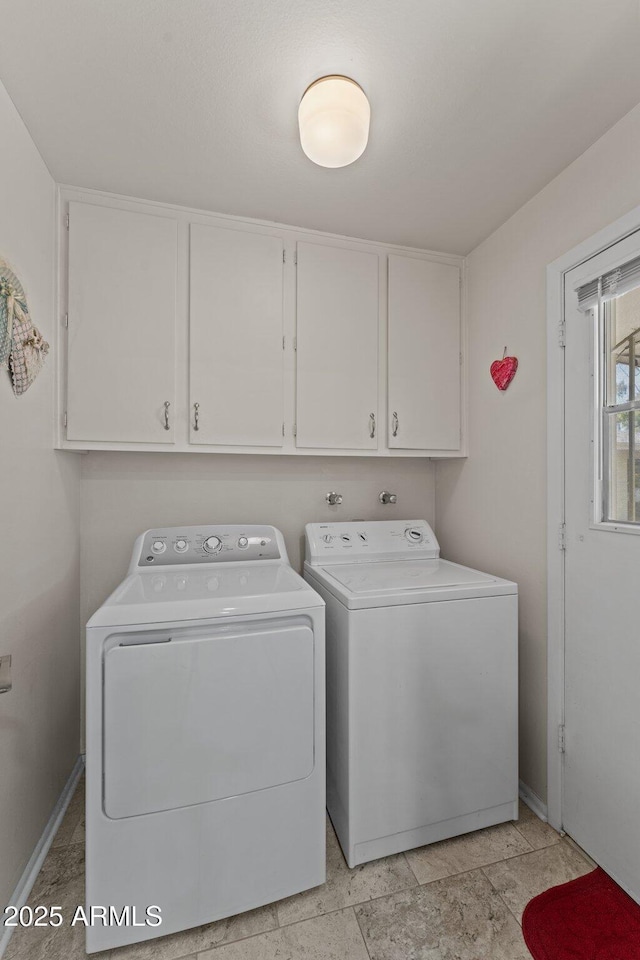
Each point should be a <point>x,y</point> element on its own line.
<point>196,416</point>
<point>395,423</point>
<point>372,425</point>
<point>166,415</point>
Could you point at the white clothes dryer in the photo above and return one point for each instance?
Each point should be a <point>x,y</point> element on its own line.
<point>422,680</point>
<point>205,733</point>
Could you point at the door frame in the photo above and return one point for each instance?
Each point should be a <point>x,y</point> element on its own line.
<point>626,225</point>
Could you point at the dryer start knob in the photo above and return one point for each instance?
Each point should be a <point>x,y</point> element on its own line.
<point>212,544</point>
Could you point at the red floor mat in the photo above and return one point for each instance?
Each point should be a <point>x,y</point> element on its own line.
<point>590,918</point>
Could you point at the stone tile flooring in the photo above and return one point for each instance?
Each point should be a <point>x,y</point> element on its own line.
<point>461,899</point>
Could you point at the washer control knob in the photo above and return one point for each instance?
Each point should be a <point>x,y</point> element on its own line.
<point>181,546</point>
<point>158,546</point>
<point>327,538</point>
<point>243,542</point>
<point>414,535</point>
<point>212,544</point>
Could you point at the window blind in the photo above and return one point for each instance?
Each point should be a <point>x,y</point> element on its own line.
<point>610,285</point>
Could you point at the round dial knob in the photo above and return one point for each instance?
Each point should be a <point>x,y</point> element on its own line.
<point>158,546</point>
<point>181,546</point>
<point>212,544</point>
<point>414,535</point>
<point>243,542</point>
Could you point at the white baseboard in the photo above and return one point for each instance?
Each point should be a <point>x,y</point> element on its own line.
<point>532,800</point>
<point>21,893</point>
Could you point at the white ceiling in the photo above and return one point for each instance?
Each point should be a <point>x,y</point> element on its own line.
<point>476,104</point>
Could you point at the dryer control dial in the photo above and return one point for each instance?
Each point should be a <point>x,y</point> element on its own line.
<point>212,545</point>
<point>414,535</point>
<point>158,546</point>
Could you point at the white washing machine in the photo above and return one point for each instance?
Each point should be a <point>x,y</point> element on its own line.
<point>205,733</point>
<point>422,730</point>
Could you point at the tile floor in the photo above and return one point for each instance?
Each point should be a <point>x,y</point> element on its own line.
<point>461,899</point>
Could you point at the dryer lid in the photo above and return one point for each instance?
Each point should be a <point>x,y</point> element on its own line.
<point>230,589</point>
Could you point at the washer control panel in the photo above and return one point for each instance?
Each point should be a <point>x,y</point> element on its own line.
<point>370,540</point>
<point>166,546</point>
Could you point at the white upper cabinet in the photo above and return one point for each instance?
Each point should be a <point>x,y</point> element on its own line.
<point>424,398</point>
<point>337,348</point>
<point>236,337</point>
<point>121,325</point>
<point>207,333</point>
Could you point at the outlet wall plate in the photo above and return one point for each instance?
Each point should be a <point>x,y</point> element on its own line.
<point>5,674</point>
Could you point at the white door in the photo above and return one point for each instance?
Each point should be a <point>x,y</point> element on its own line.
<point>424,354</point>
<point>236,346</point>
<point>337,348</point>
<point>601,781</point>
<point>122,315</point>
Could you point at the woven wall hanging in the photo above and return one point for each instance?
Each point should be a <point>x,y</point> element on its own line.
<point>503,371</point>
<point>21,343</point>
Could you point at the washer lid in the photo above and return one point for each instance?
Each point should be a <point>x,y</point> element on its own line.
<point>226,590</point>
<point>407,581</point>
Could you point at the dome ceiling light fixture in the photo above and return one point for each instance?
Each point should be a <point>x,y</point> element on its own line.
<point>333,117</point>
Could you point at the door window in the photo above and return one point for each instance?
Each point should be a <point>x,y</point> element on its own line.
<point>621,409</point>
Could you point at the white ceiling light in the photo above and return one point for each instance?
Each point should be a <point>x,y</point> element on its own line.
<point>334,116</point>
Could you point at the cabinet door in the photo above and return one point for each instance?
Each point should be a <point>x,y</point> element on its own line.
<point>237,360</point>
<point>337,354</point>
<point>122,313</point>
<point>424,354</point>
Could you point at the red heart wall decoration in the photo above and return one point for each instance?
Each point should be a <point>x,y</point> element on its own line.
<point>503,371</point>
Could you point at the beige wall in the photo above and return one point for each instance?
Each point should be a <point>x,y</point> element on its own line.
<point>126,493</point>
<point>491,509</point>
<point>39,543</point>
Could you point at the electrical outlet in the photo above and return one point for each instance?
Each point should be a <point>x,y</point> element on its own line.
<point>5,674</point>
